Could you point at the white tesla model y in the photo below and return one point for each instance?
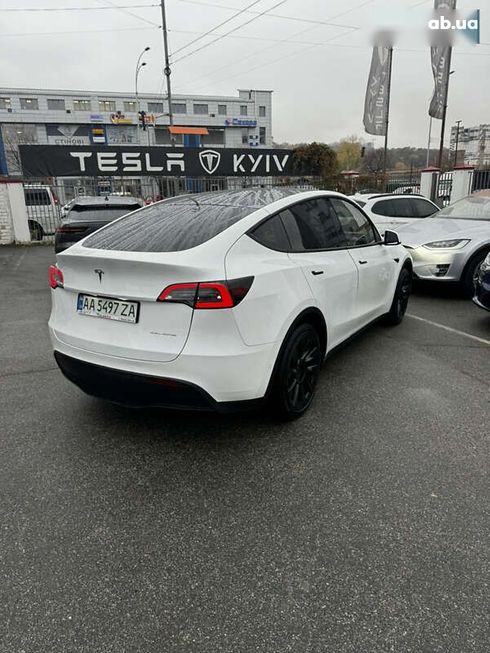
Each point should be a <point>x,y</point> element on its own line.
<point>222,300</point>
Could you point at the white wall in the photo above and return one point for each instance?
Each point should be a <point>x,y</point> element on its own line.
<point>14,227</point>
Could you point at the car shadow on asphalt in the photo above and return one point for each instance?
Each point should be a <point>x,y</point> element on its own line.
<point>438,290</point>
<point>260,424</point>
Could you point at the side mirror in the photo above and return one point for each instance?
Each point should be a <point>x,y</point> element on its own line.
<point>391,238</point>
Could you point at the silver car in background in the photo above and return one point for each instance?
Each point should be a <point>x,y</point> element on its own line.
<point>452,245</point>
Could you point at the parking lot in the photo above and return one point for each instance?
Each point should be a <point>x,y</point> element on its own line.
<point>363,527</point>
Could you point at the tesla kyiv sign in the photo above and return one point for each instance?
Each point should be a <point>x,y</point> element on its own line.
<point>93,161</point>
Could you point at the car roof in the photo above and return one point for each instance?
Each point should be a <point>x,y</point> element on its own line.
<point>254,198</point>
<point>109,200</point>
<point>398,196</point>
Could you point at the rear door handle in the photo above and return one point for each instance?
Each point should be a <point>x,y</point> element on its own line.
<point>362,262</point>
<point>315,273</point>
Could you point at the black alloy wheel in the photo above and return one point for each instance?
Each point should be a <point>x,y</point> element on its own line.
<point>401,298</point>
<point>298,371</point>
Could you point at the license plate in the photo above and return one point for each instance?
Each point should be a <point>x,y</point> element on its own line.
<point>108,308</point>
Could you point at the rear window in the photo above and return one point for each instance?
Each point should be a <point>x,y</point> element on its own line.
<point>37,197</point>
<point>384,207</point>
<point>272,234</point>
<point>99,213</point>
<point>169,226</point>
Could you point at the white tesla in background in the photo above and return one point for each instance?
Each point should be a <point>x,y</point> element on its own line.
<point>222,299</point>
<point>396,210</point>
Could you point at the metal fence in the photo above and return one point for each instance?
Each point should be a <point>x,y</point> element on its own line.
<point>481,180</point>
<point>444,189</point>
<point>48,199</point>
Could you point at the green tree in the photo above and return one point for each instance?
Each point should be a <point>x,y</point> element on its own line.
<point>315,159</point>
<point>349,153</point>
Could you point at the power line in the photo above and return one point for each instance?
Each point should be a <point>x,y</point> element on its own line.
<point>267,63</point>
<point>81,31</point>
<point>255,38</point>
<point>130,13</point>
<point>9,9</point>
<point>235,15</point>
<point>235,29</point>
<point>308,29</point>
<point>297,19</point>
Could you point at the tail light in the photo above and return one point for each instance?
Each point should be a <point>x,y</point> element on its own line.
<point>70,230</point>
<point>209,294</point>
<point>55,277</point>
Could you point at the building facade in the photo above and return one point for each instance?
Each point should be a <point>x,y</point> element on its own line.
<point>60,117</point>
<point>473,144</point>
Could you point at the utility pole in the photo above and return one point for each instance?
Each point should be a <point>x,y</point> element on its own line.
<point>139,66</point>
<point>458,122</point>
<point>167,70</point>
<point>385,153</point>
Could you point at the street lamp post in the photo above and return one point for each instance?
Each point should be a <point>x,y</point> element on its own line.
<point>139,66</point>
<point>458,123</point>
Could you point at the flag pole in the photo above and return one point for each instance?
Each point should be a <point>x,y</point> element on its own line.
<point>387,122</point>
<point>444,114</point>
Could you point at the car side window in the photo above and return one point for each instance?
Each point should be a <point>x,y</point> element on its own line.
<point>403,208</point>
<point>423,208</point>
<point>272,234</point>
<point>383,207</point>
<point>313,225</point>
<point>358,230</point>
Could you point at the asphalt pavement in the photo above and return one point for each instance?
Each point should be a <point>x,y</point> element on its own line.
<point>363,527</point>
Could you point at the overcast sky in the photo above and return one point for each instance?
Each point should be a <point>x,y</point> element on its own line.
<point>318,71</point>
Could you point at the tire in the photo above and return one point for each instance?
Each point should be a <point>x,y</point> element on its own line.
<point>35,230</point>
<point>470,274</point>
<point>400,300</point>
<point>297,372</point>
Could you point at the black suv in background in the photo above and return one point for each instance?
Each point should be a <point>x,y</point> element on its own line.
<point>482,285</point>
<point>87,214</point>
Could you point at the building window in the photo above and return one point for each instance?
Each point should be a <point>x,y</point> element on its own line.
<point>107,105</point>
<point>263,135</point>
<point>131,106</point>
<point>245,136</point>
<point>81,105</point>
<point>201,109</point>
<point>56,105</point>
<point>5,103</point>
<point>29,103</point>
<point>222,110</point>
<point>155,107</point>
<point>179,107</point>
<point>262,112</point>
<point>243,110</point>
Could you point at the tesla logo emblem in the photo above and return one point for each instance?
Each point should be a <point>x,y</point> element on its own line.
<point>99,273</point>
<point>210,160</point>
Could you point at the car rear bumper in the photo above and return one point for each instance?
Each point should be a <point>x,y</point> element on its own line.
<point>223,374</point>
<point>141,390</point>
